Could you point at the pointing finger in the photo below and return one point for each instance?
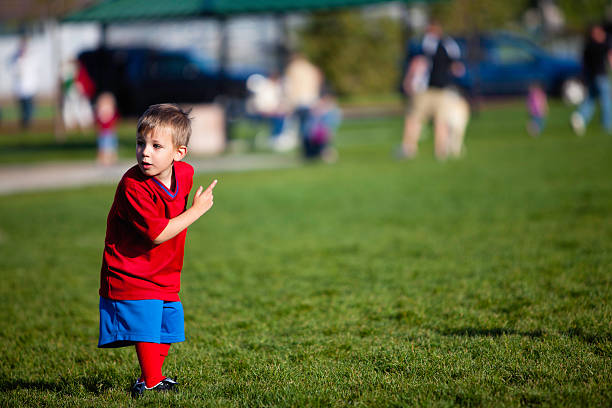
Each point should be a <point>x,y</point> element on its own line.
<point>212,185</point>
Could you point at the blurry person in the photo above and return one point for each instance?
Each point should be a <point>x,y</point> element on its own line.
<point>106,123</point>
<point>25,72</point>
<point>267,101</point>
<point>324,119</point>
<point>417,75</point>
<point>428,81</point>
<point>303,83</point>
<point>596,54</point>
<point>78,89</point>
<point>537,107</point>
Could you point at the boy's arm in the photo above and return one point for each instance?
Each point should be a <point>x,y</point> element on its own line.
<point>202,201</point>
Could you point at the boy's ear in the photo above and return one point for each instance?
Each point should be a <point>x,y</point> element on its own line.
<point>180,153</point>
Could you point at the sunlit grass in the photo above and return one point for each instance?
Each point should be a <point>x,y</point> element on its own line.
<point>371,282</point>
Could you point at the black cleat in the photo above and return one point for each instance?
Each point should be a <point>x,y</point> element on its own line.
<point>138,389</point>
<point>165,385</point>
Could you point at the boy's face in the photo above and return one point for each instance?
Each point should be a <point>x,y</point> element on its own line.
<point>156,152</point>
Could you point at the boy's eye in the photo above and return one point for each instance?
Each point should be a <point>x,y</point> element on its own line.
<point>157,146</point>
<point>140,143</point>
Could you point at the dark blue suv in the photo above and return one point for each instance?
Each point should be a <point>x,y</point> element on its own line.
<point>139,77</point>
<point>500,64</point>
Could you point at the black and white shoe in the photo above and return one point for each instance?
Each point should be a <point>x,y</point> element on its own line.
<point>165,385</point>
<point>169,384</point>
<point>138,388</point>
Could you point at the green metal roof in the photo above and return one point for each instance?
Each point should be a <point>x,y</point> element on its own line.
<point>124,10</point>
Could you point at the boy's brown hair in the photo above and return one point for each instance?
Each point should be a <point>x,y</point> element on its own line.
<point>168,117</point>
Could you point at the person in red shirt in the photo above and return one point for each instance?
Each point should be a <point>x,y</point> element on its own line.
<point>106,117</point>
<point>144,246</point>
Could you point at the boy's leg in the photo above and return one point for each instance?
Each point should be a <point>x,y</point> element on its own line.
<point>163,352</point>
<point>172,329</point>
<point>150,363</point>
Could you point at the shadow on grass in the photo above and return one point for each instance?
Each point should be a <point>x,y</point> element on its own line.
<point>34,151</point>
<point>494,332</point>
<point>95,385</point>
<point>589,336</point>
<point>31,147</point>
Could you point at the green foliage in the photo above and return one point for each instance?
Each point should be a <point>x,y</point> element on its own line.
<point>483,281</point>
<point>358,55</point>
<point>580,13</point>
<point>463,16</point>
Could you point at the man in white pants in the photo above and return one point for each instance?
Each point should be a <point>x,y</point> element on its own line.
<point>428,79</point>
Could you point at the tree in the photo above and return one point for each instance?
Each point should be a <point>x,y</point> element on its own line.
<point>358,55</point>
<point>463,16</point>
<point>580,13</point>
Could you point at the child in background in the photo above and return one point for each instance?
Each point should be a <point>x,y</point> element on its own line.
<point>537,106</point>
<point>144,246</point>
<point>323,120</point>
<point>106,123</point>
<point>77,89</point>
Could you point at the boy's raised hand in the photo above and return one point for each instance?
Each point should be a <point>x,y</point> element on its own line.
<point>203,199</point>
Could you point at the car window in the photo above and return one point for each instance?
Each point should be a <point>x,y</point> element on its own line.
<point>511,54</point>
<point>168,67</point>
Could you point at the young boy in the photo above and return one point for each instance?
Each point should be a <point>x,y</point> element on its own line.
<point>144,246</point>
<point>106,122</point>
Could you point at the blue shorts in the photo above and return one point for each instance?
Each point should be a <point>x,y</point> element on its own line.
<point>123,322</point>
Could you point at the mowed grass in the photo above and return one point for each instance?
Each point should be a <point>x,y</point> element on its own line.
<point>483,281</point>
<point>39,143</point>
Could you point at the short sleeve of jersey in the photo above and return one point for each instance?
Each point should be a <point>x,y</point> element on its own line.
<point>185,172</point>
<point>143,212</point>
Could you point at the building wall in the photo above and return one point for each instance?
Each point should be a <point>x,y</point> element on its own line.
<point>251,43</point>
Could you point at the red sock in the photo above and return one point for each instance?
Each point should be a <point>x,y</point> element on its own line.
<point>163,353</point>
<point>149,359</point>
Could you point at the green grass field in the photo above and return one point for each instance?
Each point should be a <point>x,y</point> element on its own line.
<point>483,281</point>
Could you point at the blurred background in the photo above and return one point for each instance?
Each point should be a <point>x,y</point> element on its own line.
<point>204,55</point>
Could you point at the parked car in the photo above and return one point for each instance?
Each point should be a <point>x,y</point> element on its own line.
<point>140,77</point>
<point>500,64</point>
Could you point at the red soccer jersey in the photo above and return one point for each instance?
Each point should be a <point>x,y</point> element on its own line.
<point>133,267</point>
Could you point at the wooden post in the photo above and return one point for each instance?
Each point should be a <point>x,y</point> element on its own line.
<point>58,123</point>
<point>223,55</point>
<point>222,88</point>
